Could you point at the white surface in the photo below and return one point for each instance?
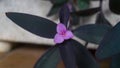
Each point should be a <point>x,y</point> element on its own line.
<point>10,31</point>
<point>5,46</point>
<point>111,17</point>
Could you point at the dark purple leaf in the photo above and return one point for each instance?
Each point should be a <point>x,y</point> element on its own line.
<point>58,2</point>
<point>102,20</point>
<point>110,45</point>
<point>54,10</point>
<point>75,54</point>
<point>84,59</point>
<point>50,59</point>
<point>74,20</point>
<point>83,4</point>
<point>114,6</point>
<point>115,63</point>
<point>64,14</point>
<point>101,1</point>
<point>67,54</point>
<point>86,12</point>
<point>93,33</point>
<point>37,25</point>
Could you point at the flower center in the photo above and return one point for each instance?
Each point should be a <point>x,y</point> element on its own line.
<point>63,33</point>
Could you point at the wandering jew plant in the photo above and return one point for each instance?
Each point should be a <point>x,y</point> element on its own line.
<point>71,52</point>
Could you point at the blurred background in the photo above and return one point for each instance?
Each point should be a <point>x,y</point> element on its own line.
<point>20,48</point>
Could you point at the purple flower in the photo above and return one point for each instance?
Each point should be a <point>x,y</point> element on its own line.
<point>62,34</point>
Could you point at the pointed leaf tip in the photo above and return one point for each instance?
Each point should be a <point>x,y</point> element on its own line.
<point>37,25</point>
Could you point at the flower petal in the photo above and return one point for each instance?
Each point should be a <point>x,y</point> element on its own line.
<point>58,38</point>
<point>61,28</point>
<point>68,35</point>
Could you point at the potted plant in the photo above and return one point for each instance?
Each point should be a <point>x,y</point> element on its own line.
<point>67,48</point>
